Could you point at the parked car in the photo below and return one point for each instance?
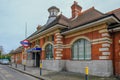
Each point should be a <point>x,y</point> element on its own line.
<point>0,61</point>
<point>5,61</point>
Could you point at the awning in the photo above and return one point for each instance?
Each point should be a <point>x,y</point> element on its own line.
<point>34,50</point>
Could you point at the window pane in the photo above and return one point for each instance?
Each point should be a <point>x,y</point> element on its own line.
<point>74,50</point>
<point>81,49</point>
<point>49,51</point>
<point>87,50</point>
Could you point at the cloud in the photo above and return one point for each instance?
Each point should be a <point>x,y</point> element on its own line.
<point>15,13</point>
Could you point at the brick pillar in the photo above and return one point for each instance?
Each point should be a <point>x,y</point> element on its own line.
<point>43,51</point>
<point>58,46</point>
<point>106,46</point>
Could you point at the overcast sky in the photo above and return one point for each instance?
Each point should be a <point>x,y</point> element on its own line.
<point>15,13</point>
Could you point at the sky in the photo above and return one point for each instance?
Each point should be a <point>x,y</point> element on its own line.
<point>15,14</point>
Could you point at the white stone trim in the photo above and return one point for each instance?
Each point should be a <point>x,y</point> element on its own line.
<point>58,57</point>
<point>105,45</point>
<point>101,39</point>
<point>103,49</point>
<point>110,42</point>
<point>103,57</point>
<point>59,42</point>
<point>59,36</point>
<point>58,52</point>
<point>105,53</point>
<point>59,49</point>
<point>58,39</point>
<point>105,35</point>
<point>103,30</point>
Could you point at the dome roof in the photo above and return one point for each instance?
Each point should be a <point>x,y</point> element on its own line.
<point>53,7</point>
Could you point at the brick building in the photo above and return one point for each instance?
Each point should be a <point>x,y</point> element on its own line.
<point>16,55</point>
<point>89,38</point>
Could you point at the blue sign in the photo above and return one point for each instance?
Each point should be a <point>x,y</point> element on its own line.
<point>34,50</point>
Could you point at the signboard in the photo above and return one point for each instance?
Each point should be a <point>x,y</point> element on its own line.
<point>34,50</point>
<point>25,43</point>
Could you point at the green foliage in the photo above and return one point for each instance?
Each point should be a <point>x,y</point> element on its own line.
<point>7,56</point>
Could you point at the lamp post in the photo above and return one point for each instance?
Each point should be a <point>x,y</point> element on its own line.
<point>16,61</point>
<point>25,59</point>
<point>25,44</point>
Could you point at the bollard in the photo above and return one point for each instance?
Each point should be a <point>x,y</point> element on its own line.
<point>40,69</point>
<point>16,65</point>
<point>24,67</point>
<point>11,63</point>
<point>86,73</point>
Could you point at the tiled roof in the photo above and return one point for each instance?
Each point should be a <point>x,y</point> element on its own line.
<point>61,19</point>
<point>86,16</point>
<point>116,12</point>
<point>104,16</point>
<point>11,52</point>
<point>18,50</point>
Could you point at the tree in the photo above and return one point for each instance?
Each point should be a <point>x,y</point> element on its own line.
<point>0,54</point>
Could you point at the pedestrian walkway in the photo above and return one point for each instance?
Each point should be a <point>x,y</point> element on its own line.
<point>52,75</point>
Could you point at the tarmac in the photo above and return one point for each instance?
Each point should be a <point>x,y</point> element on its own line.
<point>53,75</point>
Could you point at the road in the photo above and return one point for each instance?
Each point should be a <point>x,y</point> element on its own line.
<point>7,73</point>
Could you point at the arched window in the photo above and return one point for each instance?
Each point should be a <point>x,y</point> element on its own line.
<point>81,50</point>
<point>49,51</point>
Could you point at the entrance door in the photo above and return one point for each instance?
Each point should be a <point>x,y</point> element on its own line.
<point>37,59</point>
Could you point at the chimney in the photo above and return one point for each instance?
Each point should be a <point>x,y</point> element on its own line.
<point>39,27</point>
<point>76,10</point>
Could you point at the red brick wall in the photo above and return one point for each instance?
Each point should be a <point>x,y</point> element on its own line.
<point>117,52</point>
<point>19,58</point>
<point>95,47</point>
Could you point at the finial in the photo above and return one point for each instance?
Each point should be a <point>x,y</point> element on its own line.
<point>75,2</point>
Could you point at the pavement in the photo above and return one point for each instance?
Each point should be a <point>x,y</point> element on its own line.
<point>52,75</point>
<point>9,74</point>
